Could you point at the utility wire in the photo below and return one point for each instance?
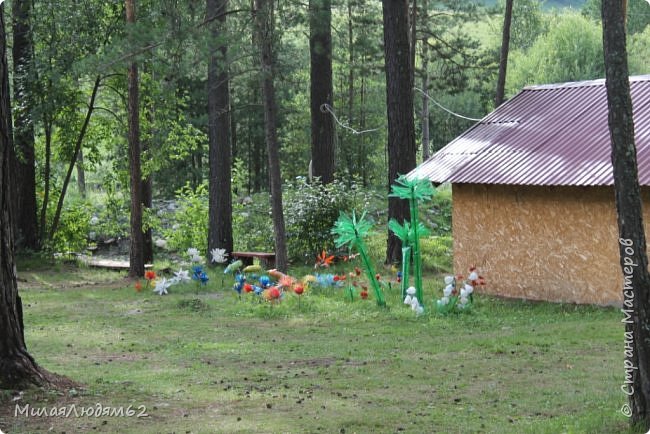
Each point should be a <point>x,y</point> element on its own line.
<point>325,108</point>
<point>444,108</point>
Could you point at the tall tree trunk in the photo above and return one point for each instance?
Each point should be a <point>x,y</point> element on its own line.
<point>632,241</point>
<point>321,89</point>
<point>264,20</point>
<point>147,202</point>
<point>17,368</point>
<point>81,174</point>
<point>426,141</point>
<point>147,182</point>
<point>136,255</point>
<point>505,49</point>
<point>220,196</point>
<point>47,128</point>
<point>73,160</point>
<point>399,103</point>
<point>26,221</point>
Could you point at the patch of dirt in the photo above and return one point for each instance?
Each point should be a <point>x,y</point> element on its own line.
<point>122,357</point>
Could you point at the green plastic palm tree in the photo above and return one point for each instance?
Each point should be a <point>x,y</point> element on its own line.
<point>413,190</point>
<point>350,232</point>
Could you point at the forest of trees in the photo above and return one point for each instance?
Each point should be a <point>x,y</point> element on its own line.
<point>235,98</point>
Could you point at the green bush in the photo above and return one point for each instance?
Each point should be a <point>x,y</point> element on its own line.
<point>436,254</point>
<point>310,212</point>
<point>189,223</point>
<point>74,225</point>
<point>252,225</point>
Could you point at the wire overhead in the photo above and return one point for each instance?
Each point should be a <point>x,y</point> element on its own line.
<point>444,108</point>
<point>325,108</point>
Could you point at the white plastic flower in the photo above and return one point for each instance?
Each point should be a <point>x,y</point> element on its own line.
<point>447,291</point>
<point>191,252</point>
<point>219,255</point>
<point>182,276</point>
<point>196,259</point>
<point>161,286</point>
<point>411,290</point>
<point>469,289</point>
<point>449,280</point>
<point>473,275</point>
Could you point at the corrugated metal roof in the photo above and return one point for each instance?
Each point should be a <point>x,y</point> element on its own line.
<point>545,135</point>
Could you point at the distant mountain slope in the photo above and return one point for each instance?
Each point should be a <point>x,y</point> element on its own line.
<point>548,4</point>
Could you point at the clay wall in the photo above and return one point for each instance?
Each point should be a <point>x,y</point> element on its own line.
<point>540,242</point>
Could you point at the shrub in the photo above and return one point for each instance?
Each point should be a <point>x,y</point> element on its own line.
<point>189,223</point>
<point>74,226</point>
<point>310,212</point>
<point>252,225</point>
<point>437,253</point>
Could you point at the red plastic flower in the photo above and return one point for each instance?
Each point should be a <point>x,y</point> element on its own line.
<point>274,293</point>
<point>364,294</point>
<point>357,270</point>
<point>299,290</point>
<point>248,287</point>
<point>150,275</point>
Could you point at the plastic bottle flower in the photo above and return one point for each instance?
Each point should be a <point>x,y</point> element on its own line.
<point>194,255</point>
<point>150,277</point>
<point>182,276</point>
<point>350,232</point>
<point>219,255</point>
<point>161,286</point>
<point>458,294</point>
<point>414,191</point>
<point>138,286</point>
<point>199,275</point>
<point>323,260</point>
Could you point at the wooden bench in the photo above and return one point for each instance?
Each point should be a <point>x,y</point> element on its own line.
<point>268,259</point>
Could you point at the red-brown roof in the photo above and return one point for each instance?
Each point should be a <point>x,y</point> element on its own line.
<point>545,135</point>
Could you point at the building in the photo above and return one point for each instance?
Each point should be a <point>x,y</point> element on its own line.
<point>533,195</point>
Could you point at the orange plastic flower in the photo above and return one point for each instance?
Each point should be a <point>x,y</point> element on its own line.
<point>150,275</point>
<point>299,290</point>
<point>364,294</point>
<point>323,260</point>
<point>138,286</point>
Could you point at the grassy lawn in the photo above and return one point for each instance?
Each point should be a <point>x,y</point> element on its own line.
<point>201,361</point>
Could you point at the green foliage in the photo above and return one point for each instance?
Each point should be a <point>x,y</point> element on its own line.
<point>189,223</point>
<point>252,225</point>
<point>638,17</point>
<point>113,211</point>
<point>74,225</point>
<point>310,212</point>
<point>570,51</point>
<point>639,52</point>
<point>437,254</point>
<point>527,25</point>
